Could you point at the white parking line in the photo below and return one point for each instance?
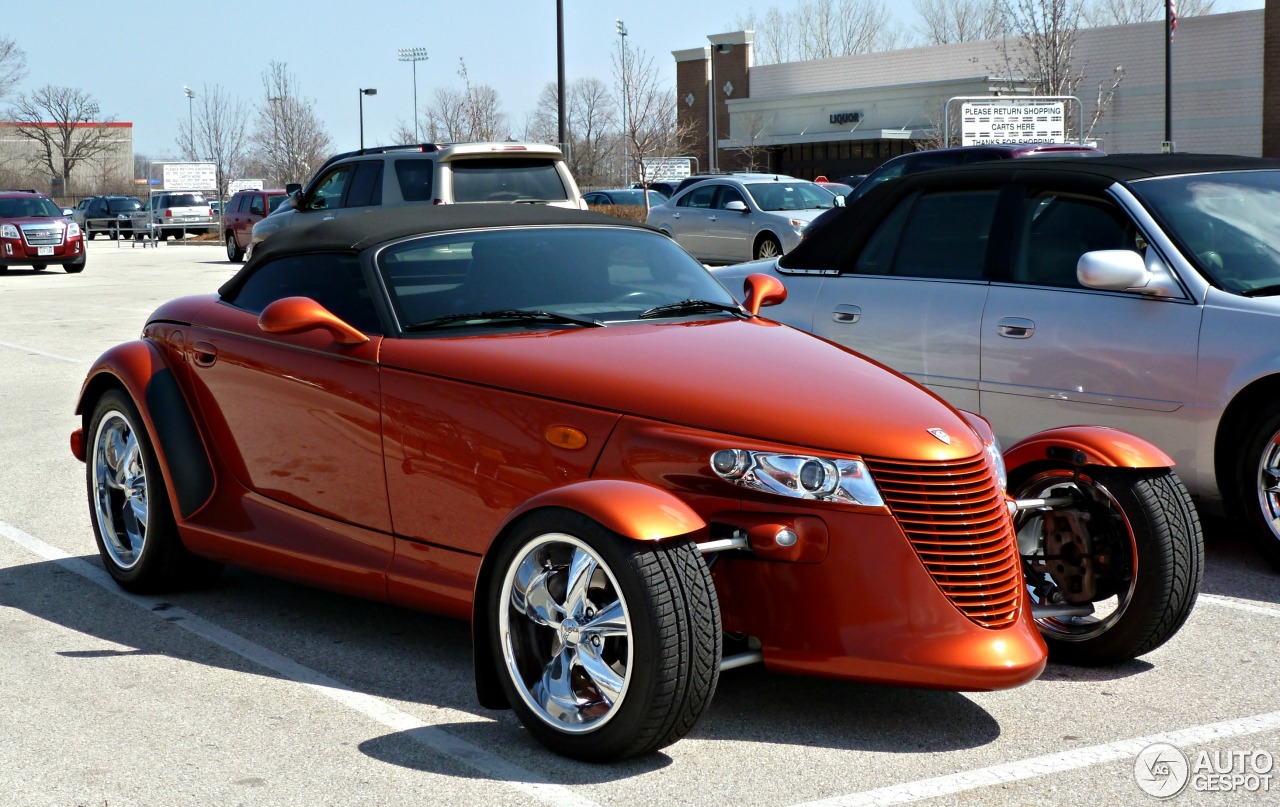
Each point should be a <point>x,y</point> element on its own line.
<point>1240,605</point>
<point>33,351</point>
<point>1048,764</point>
<point>375,709</point>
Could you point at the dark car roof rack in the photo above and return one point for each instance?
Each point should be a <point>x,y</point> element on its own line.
<point>20,190</point>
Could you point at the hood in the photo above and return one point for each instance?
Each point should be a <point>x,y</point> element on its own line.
<point>752,378</point>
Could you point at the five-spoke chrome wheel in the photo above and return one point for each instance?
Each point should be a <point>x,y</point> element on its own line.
<point>119,489</point>
<point>566,633</point>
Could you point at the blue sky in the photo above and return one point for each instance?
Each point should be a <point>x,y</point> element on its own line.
<point>135,64</point>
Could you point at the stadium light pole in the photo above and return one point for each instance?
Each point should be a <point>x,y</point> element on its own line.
<point>626,147</point>
<point>363,93</point>
<point>191,131</point>
<point>414,55</point>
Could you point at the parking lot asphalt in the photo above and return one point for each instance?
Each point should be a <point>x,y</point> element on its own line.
<point>261,692</point>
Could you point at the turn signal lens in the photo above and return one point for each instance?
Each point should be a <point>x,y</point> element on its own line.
<point>566,437</point>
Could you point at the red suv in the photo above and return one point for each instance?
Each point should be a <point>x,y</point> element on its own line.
<point>34,232</point>
<point>244,210</point>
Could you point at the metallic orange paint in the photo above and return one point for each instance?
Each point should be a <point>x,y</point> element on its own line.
<point>77,443</point>
<point>631,509</point>
<point>761,290</point>
<point>1100,445</point>
<point>566,437</point>
<point>300,314</point>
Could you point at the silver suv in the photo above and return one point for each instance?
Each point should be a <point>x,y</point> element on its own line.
<point>182,212</point>
<point>356,182</point>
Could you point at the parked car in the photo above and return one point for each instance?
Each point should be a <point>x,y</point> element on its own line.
<point>181,213</point>
<point>929,159</point>
<point>838,188</point>
<point>429,174</point>
<point>34,232</point>
<point>740,217</point>
<point>1131,291</point>
<point>476,412</point>
<point>245,209</point>
<point>663,187</point>
<point>625,197</point>
<point>116,216</point>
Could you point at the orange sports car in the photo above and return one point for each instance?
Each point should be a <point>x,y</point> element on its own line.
<point>560,426</point>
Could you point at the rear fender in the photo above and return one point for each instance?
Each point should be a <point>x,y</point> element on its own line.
<point>1086,445</point>
<point>634,510</point>
<point>140,369</point>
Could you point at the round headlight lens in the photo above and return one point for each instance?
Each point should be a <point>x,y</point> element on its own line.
<point>813,476</point>
<point>729,462</point>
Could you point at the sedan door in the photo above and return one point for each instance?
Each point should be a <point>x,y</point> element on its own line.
<point>1056,353</point>
<point>689,218</point>
<point>729,232</point>
<point>914,297</point>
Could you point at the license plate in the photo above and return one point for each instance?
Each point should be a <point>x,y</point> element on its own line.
<point>42,251</point>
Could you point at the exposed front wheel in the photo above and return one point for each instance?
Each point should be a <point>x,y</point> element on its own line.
<point>129,504</point>
<point>1116,573</point>
<point>609,647</point>
<point>1261,474</point>
<point>768,247</point>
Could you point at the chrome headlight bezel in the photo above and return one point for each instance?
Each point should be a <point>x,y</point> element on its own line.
<point>838,480</point>
<point>73,230</point>
<point>997,461</point>
<point>8,231</point>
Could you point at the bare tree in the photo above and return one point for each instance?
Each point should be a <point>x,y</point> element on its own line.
<point>821,29</point>
<point>220,134</point>
<point>590,126</point>
<point>651,130</point>
<point>470,114</point>
<point>1127,12</point>
<point>753,156</point>
<point>288,142</point>
<point>446,117</point>
<point>57,119</point>
<point>943,22</point>
<point>13,66</point>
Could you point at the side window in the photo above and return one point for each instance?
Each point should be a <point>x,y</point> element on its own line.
<point>256,205</point>
<point>946,236</point>
<point>328,192</point>
<point>366,185</point>
<point>701,196</point>
<point>877,256</point>
<point>415,178</point>
<point>1054,230</point>
<point>728,194</point>
<point>332,279</point>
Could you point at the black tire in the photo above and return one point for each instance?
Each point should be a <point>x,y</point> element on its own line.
<point>767,247</point>
<point>75,267</point>
<point>147,555</point>
<point>39,267</point>
<point>1259,471</point>
<point>669,656</point>
<point>90,234</point>
<point>137,236</point>
<point>234,253</point>
<point>1145,515</point>
<point>114,232</point>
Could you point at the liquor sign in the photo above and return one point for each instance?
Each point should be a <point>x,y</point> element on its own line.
<point>1012,120</point>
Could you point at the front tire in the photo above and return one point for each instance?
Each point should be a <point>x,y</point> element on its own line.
<point>234,253</point>
<point>1142,553</point>
<point>39,267</point>
<point>1260,470</point>
<point>75,267</point>
<point>768,247</point>
<point>607,647</point>
<point>133,523</point>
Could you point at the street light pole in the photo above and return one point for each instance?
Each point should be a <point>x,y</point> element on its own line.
<point>191,131</point>
<point>363,93</point>
<point>414,55</point>
<point>626,79</point>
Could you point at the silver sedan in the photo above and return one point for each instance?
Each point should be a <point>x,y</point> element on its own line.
<point>740,217</point>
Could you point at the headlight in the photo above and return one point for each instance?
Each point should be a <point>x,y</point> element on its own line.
<point>798,476</point>
<point>799,225</point>
<point>8,231</point>
<point>997,459</point>
<point>73,230</point>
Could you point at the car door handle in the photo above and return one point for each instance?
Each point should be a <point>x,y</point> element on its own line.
<point>675,215</point>
<point>846,314</point>
<point>203,354</point>
<point>711,218</point>
<point>1016,328</point>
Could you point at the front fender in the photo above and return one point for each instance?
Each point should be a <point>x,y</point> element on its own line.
<point>140,369</point>
<point>1087,445</point>
<point>634,510</point>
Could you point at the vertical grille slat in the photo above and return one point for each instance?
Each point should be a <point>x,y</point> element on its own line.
<point>955,518</point>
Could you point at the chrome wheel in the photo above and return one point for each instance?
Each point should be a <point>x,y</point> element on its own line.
<point>768,248</point>
<point>1267,479</point>
<point>1099,548</point>
<point>119,489</point>
<point>565,633</point>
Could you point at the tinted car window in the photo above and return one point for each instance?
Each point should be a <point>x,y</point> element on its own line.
<point>698,197</point>
<point>123,205</point>
<point>328,193</point>
<point>240,204</point>
<point>877,255</point>
<point>1055,230</point>
<point>728,194</point>
<point>415,178</point>
<point>185,200</point>
<point>506,180</point>
<point>333,280</point>
<point>366,185</point>
<point>255,205</point>
<point>946,236</point>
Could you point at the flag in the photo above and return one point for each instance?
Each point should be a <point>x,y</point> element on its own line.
<point>1173,19</point>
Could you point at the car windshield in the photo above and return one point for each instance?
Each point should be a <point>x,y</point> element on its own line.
<point>508,179</point>
<point>790,195</point>
<point>596,274</point>
<point>1227,223</point>
<point>123,205</point>
<point>28,207</point>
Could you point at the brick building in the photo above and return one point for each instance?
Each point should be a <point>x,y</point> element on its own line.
<point>846,115</point>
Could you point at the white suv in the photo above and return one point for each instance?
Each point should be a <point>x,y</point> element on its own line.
<point>360,181</point>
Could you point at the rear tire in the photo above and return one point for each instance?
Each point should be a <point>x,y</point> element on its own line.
<point>234,253</point>
<point>607,647</point>
<point>1147,553</point>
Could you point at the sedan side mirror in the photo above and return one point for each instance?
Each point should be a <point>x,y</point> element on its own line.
<point>737,206</point>
<point>295,200</point>
<point>1125,270</point>
<point>292,188</point>
<point>299,314</point>
<point>761,290</point>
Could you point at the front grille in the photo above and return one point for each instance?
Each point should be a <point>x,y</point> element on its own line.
<point>42,236</point>
<point>955,517</point>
